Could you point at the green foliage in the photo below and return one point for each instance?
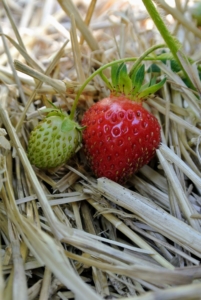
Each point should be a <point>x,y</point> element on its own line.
<point>124,81</point>
<point>132,84</point>
<point>152,89</point>
<point>114,78</point>
<point>137,78</point>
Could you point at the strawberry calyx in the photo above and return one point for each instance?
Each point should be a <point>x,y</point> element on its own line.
<point>131,84</point>
<point>113,63</point>
<point>67,123</point>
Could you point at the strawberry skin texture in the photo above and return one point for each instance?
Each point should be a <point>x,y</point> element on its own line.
<point>49,146</point>
<point>120,137</point>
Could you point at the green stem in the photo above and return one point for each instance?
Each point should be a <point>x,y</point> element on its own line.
<point>172,42</point>
<point>138,61</point>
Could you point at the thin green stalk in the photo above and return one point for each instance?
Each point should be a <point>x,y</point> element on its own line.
<point>99,71</point>
<point>171,41</point>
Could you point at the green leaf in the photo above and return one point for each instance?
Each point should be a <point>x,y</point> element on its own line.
<point>114,77</point>
<point>152,89</point>
<point>175,66</point>
<point>117,76</point>
<point>152,81</point>
<point>153,69</point>
<point>124,81</point>
<point>137,78</point>
<point>144,86</point>
<point>67,125</point>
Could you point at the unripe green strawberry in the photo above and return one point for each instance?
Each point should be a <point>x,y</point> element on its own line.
<point>54,141</point>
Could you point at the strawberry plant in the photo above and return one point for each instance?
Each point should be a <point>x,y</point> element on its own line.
<point>121,136</point>
<point>54,141</point>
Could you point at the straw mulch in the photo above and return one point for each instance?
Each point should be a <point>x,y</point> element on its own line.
<point>64,233</point>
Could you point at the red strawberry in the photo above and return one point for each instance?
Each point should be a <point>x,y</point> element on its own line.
<point>120,135</point>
